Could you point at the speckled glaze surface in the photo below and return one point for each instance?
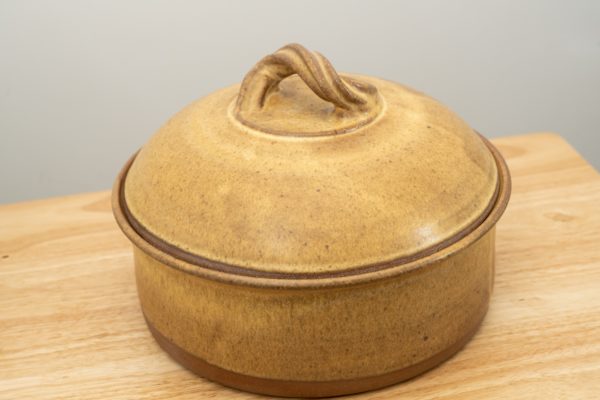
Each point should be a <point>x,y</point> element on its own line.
<point>313,234</point>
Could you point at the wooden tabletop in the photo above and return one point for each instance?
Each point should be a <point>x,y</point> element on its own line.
<point>71,326</point>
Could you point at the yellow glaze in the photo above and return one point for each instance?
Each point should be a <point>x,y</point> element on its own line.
<point>313,234</point>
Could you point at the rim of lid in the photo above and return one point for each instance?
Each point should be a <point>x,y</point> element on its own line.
<point>196,265</point>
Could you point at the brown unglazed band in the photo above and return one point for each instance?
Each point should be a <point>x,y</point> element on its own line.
<point>290,388</point>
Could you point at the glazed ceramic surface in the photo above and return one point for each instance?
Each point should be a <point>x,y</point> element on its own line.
<point>312,234</point>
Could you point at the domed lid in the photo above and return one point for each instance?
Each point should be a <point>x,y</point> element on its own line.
<point>301,172</point>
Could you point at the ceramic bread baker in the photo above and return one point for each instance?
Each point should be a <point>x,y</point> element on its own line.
<point>309,233</point>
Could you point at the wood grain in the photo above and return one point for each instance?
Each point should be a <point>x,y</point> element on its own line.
<point>71,326</point>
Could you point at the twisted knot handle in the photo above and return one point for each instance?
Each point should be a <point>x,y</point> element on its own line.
<point>315,70</point>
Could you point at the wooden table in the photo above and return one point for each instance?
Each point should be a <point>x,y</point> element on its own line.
<point>71,326</point>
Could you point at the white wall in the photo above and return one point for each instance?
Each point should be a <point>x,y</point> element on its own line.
<point>83,84</point>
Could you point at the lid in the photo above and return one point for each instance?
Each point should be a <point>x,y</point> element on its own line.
<point>301,172</point>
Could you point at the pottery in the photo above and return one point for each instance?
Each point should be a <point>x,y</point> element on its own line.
<point>309,233</point>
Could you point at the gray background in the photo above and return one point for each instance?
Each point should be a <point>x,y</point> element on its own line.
<point>83,84</point>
